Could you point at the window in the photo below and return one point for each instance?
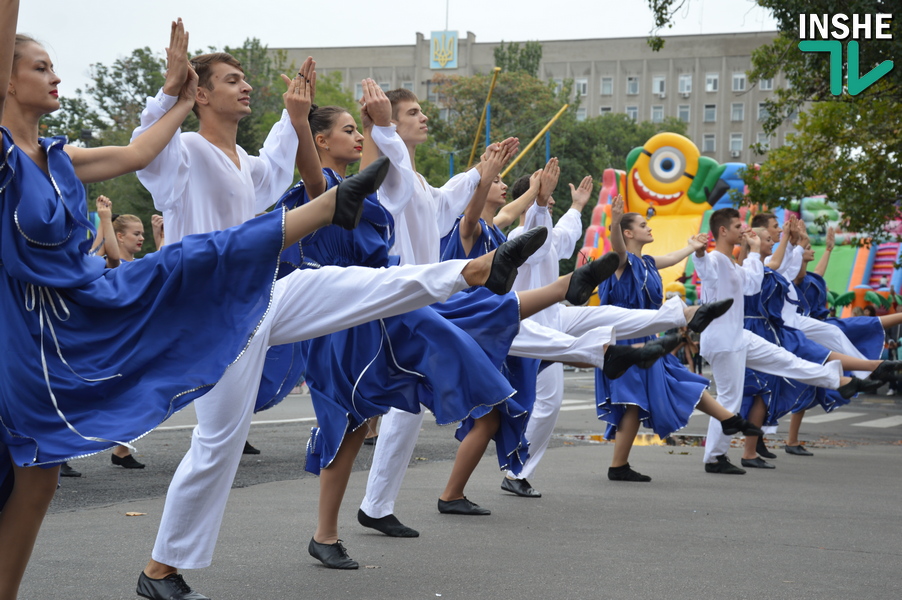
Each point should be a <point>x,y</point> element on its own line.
<point>711,82</point>
<point>738,82</point>
<point>444,114</point>
<point>766,85</point>
<point>581,86</point>
<point>558,85</point>
<point>605,110</point>
<point>793,116</point>
<point>683,113</point>
<point>658,85</point>
<point>657,114</point>
<point>385,85</point>
<point>686,83</point>
<point>432,91</point>
<point>632,112</point>
<point>632,86</point>
<point>763,113</point>
<point>708,143</point>
<point>710,113</point>
<point>737,112</point>
<point>581,113</point>
<point>764,141</point>
<point>358,91</point>
<point>607,86</point>
<point>735,143</point>
<point>407,85</point>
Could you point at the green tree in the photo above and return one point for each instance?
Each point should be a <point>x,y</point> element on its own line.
<point>512,58</point>
<point>847,147</point>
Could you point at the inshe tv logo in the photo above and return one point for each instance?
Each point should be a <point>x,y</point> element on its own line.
<point>832,30</point>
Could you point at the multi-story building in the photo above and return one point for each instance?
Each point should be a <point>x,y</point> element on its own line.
<point>699,79</point>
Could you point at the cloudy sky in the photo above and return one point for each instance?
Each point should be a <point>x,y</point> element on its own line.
<point>78,33</point>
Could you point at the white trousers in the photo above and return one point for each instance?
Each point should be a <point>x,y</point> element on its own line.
<point>831,337</point>
<point>305,304</point>
<point>399,430</point>
<point>728,369</point>
<point>550,383</point>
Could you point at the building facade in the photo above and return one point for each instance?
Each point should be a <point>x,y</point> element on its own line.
<point>699,79</point>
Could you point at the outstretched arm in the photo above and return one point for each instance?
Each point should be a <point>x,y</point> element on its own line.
<point>494,159</point>
<point>547,182</point>
<point>821,267</point>
<point>100,164</point>
<point>9,18</point>
<point>694,243</point>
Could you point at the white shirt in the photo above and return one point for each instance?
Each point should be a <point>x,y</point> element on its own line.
<point>542,268</point>
<point>789,268</point>
<point>423,214</point>
<point>722,278</point>
<point>199,189</point>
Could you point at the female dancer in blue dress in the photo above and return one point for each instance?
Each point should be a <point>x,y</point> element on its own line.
<point>446,357</point>
<point>866,333</point>
<point>66,386</point>
<point>664,396</point>
<point>767,398</point>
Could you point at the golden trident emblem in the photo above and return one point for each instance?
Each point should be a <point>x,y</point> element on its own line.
<point>443,51</point>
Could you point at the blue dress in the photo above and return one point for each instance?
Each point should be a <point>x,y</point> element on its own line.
<point>79,338</point>
<point>667,393</point>
<point>440,356</point>
<point>763,316</point>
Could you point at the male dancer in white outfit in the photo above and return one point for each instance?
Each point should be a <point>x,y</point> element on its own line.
<point>203,182</point>
<point>730,348</point>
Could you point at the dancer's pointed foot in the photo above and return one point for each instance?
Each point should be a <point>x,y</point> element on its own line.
<point>737,424</point>
<point>617,359</point>
<point>510,255</point>
<point>668,342</point>
<point>856,385</point>
<point>707,313</point>
<point>762,449</point>
<point>626,473</point>
<point>389,525</point>
<point>352,191</point>
<point>887,371</point>
<point>585,279</point>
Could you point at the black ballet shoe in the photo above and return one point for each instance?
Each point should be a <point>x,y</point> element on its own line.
<point>762,449</point>
<point>867,386</point>
<point>586,278</point>
<point>668,342</point>
<point>389,525</point>
<point>707,313</point>
<point>128,461</point>
<point>510,255</point>
<point>617,359</point>
<point>626,473</point>
<point>737,424</point>
<point>333,556</point>
<point>351,192</point>
<point>887,371</point>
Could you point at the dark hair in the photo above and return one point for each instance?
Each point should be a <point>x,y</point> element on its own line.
<point>722,218</point>
<point>629,220</point>
<point>762,219</point>
<point>21,40</point>
<point>322,118</point>
<point>203,66</point>
<point>397,96</point>
<point>519,187</point>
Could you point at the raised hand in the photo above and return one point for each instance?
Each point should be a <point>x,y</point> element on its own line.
<point>698,241</point>
<point>616,209</point>
<point>104,207</point>
<point>831,239</point>
<point>375,107</point>
<point>753,241</point>
<point>300,91</point>
<point>579,196</point>
<point>177,66</point>
<point>550,175</point>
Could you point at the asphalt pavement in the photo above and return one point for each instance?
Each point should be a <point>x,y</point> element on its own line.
<point>820,527</point>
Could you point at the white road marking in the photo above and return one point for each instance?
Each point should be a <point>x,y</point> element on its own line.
<point>832,416</point>
<point>586,406</point>
<point>881,423</point>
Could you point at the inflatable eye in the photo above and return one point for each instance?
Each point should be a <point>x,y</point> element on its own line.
<point>667,164</point>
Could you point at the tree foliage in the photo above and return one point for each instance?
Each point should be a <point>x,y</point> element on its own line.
<point>847,147</point>
<point>514,59</point>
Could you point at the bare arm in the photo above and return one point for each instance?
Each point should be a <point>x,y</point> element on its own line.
<point>107,234</point>
<point>9,18</point>
<point>306,159</point>
<point>695,242</point>
<point>548,179</point>
<point>493,160</point>
<point>618,245</point>
<point>821,267</point>
<point>159,233</point>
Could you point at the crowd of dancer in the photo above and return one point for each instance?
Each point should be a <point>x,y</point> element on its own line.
<point>386,294</point>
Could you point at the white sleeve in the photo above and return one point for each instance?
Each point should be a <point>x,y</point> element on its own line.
<point>397,189</point>
<point>567,231</point>
<point>539,216</point>
<point>167,175</point>
<point>752,274</point>
<point>273,171</point>
<point>453,198</point>
<point>792,262</point>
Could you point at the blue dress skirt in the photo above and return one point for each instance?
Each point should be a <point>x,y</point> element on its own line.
<point>78,339</point>
<point>445,356</point>
<point>763,316</point>
<point>665,394</point>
